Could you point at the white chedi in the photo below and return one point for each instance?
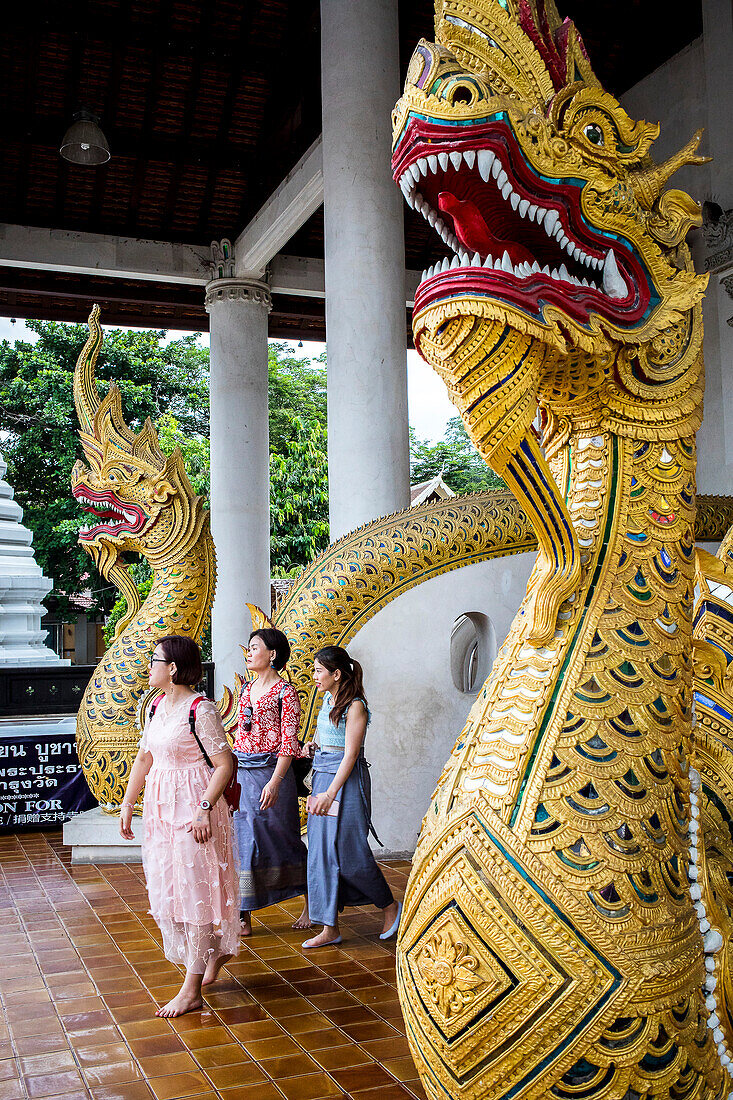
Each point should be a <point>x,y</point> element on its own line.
<point>23,588</point>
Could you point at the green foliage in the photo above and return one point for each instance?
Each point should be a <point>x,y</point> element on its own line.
<point>299,497</point>
<point>38,429</point>
<point>297,388</point>
<point>455,456</point>
<point>142,575</point>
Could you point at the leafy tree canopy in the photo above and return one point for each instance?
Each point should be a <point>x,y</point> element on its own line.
<point>455,456</point>
<point>169,383</point>
<point>38,428</point>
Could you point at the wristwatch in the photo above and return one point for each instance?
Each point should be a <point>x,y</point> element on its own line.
<point>205,804</point>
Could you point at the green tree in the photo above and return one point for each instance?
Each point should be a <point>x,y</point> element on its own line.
<point>455,456</point>
<point>299,497</point>
<point>38,428</point>
<point>296,388</point>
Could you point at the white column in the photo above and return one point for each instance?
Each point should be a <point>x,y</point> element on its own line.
<point>240,480</point>
<point>368,447</point>
<point>715,462</point>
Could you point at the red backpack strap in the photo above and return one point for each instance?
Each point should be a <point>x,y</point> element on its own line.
<point>192,723</point>
<point>155,703</point>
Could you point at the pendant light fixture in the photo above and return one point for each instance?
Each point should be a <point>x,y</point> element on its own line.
<point>84,142</point>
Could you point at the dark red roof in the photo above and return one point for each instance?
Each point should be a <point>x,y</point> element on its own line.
<point>206,104</point>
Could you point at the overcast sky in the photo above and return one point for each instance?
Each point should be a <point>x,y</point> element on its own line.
<point>429,407</point>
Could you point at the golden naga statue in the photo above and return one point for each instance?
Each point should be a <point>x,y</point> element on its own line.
<point>566,927</point>
<point>141,501</point>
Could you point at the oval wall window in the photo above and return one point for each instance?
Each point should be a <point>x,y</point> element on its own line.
<point>472,651</point>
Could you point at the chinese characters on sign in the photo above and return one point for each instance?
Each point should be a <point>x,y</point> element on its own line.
<point>41,783</point>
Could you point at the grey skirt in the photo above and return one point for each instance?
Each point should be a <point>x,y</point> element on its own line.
<point>342,869</point>
<point>272,856</point>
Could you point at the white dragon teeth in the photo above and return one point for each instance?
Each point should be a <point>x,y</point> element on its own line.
<point>551,219</point>
<point>613,285</point>
<point>488,164</point>
<point>485,160</point>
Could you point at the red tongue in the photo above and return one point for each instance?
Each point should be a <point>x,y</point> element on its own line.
<point>473,232</point>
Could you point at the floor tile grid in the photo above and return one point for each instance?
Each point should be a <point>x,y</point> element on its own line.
<point>301,1025</point>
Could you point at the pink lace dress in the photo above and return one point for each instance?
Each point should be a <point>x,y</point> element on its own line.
<point>193,888</point>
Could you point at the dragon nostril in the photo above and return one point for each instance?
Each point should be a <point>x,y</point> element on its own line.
<point>460,95</point>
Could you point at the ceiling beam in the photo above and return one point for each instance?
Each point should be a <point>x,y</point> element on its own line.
<point>32,249</point>
<point>282,215</point>
<point>29,248</point>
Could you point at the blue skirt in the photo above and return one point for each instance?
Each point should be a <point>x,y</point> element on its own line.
<point>272,856</point>
<point>342,869</point>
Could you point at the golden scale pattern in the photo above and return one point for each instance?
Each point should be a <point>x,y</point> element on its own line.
<point>130,471</point>
<point>343,588</point>
<point>567,922</point>
<point>549,945</point>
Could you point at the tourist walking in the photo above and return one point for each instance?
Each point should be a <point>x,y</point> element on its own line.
<point>187,843</point>
<point>342,869</point>
<point>272,856</point>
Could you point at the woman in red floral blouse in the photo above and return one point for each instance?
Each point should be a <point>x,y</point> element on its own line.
<point>272,855</point>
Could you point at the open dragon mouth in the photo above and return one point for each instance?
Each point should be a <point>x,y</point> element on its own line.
<point>512,233</point>
<point>116,518</point>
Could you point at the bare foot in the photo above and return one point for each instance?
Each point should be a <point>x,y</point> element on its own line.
<point>390,916</point>
<point>303,921</point>
<point>182,1002</point>
<point>246,918</point>
<point>213,967</point>
<point>324,938</point>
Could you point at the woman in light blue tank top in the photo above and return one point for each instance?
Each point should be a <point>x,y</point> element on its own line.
<point>342,869</point>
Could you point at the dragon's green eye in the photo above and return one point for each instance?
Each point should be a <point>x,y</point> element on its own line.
<point>594,133</point>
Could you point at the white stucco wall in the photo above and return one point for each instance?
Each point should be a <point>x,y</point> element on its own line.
<point>417,711</point>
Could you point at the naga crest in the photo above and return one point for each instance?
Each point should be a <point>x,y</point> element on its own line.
<point>141,500</point>
<point>554,215</point>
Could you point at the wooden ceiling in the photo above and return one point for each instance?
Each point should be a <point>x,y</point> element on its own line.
<point>206,105</point>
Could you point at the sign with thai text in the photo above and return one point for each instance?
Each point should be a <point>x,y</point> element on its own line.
<point>41,783</point>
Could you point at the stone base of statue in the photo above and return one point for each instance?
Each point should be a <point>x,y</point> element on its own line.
<point>94,837</point>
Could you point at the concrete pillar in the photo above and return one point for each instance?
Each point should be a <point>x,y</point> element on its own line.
<point>716,468</point>
<point>240,479</point>
<point>368,446</point>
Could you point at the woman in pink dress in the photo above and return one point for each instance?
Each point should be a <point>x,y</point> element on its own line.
<point>188,841</point>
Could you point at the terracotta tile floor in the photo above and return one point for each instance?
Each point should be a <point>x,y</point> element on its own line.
<point>82,971</point>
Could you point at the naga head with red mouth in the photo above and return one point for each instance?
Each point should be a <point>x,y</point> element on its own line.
<point>549,214</point>
<point>140,499</point>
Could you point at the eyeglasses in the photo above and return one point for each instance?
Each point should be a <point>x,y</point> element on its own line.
<point>160,660</point>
